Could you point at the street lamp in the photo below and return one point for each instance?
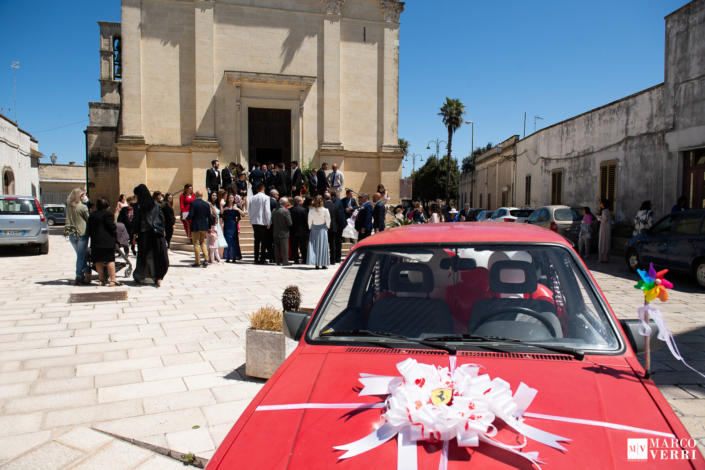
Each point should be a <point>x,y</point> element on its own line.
<point>472,161</point>
<point>53,158</point>
<point>413,161</point>
<point>438,162</point>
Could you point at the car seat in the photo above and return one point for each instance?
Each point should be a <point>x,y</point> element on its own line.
<point>410,316</point>
<point>514,277</point>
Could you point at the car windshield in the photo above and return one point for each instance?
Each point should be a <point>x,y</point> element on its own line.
<point>567,215</point>
<point>521,213</point>
<point>13,206</point>
<point>530,293</point>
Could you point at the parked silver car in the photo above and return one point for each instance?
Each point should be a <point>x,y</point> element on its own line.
<point>563,220</point>
<point>22,222</point>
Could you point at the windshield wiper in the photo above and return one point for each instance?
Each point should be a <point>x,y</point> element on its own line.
<point>451,350</point>
<point>577,354</point>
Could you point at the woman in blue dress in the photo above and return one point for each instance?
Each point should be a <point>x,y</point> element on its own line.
<point>231,216</point>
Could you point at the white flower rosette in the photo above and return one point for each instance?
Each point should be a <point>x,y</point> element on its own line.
<point>429,403</point>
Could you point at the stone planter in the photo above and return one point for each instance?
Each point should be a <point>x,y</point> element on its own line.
<point>266,351</point>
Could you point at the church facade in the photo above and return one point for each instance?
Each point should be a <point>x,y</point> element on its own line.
<point>185,82</point>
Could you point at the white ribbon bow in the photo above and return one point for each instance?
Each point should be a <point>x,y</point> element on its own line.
<point>664,332</point>
<point>468,416</point>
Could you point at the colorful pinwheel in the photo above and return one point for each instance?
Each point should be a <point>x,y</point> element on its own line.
<point>653,284</point>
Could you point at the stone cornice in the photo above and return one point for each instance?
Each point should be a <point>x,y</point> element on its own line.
<point>332,7</point>
<point>269,78</point>
<point>392,9</point>
<point>110,24</point>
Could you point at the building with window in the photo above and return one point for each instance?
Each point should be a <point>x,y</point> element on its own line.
<point>57,181</point>
<point>491,184</point>
<point>646,146</point>
<point>245,81</point>
<point>19,160</point>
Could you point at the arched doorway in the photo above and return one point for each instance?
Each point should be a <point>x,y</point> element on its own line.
<point>8,181</point>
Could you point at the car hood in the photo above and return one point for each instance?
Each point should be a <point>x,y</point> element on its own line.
<point>601,388</point>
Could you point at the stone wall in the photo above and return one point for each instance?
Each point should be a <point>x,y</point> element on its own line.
<point>18,149</point>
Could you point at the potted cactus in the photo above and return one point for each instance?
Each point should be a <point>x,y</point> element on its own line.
<point>266,346</point>
<point>291,299</point>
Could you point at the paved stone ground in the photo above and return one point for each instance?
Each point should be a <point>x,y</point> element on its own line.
<point>150,368</point>
<point>165,368</point>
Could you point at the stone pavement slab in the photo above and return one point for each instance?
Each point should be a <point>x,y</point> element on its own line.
<point>145,368</point>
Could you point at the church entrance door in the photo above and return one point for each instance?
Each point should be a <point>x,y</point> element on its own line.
<point>269,136</point>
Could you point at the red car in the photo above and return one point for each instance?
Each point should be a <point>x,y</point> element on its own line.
<point>460,346</point>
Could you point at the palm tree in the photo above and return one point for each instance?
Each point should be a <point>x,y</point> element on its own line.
<point>452,113</point>
<point>404,146</point>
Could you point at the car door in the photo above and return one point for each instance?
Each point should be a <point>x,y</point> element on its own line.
<point>682,243</point>
<point>653,248</point>
<point>543,219</point>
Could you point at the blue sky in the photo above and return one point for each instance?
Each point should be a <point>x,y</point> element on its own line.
<point>554,59</point>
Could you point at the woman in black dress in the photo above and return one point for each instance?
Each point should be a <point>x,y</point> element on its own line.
<point>149,229</point>
<point>169,218</point>
<point>101,231</point>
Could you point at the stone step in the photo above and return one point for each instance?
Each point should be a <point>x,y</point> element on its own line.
<point>245,248</point>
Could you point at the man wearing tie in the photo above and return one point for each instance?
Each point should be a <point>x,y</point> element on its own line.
<point>213,178</point>
<point>336,180</point>
<point>312,184</point>
<point>256,176</point>
<point>227,176</point>
<point>296,179</point>
<point>349,203</point>
<point>299,230</point>
<point>322,180</point>
<point>378,213</point>
<point>363,223</point>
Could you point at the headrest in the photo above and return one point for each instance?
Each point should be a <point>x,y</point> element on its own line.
<point>513,277</point>
<point>419,278</point>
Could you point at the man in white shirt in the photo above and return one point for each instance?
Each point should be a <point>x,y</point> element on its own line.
<point>261,220</point>
<point>336,180</point>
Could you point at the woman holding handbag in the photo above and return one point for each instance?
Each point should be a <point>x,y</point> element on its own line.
<point>148,226</point>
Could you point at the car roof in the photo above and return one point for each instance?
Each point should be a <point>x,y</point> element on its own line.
<point>15,196</point>
<point>54,205</point>
<point>556,207</point>
<point>463,232</point>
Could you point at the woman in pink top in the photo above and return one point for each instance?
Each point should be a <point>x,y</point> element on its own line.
<point>187,197</point>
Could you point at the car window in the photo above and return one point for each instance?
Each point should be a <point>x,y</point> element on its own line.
<point>520,213</point>
<point>14,206</point>
<point>54,210</point>
<point>531,293</point>
<point>532,217</point>
<point>543,216</point>
<point>567,215</point>
<point>688,224</point>
<point>663,226</point>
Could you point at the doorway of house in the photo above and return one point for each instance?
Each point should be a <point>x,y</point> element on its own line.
<point>269,136</point>
<point>694,177</point>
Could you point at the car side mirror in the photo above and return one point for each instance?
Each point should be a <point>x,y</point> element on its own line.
<point>631,329</point>
<point>294,324</point>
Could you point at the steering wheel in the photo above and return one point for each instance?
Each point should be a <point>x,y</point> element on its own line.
<point>526,311</point>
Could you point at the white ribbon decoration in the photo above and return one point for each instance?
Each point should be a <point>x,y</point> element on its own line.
<point>491,399</point>
<point>664,332</point>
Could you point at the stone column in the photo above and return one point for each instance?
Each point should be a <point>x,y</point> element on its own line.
<point>331,75</point>
<point>390,129</point>
<point>131,72</point>
<point>205,104</point>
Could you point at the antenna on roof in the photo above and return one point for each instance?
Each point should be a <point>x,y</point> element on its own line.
<point>535,118</point>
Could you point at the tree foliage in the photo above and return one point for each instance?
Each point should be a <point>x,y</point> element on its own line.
<point>430,176</point>
<point>468,163</point>
<point>452,113</point>
<point>404,145</point>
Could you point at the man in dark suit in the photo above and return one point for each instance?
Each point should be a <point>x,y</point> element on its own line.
<point>202,220</point>
<point>363,223</point>
<point>468,214</point>
<point>297,179</point>
<point>379,213</point>
<point>335,226</point>
<point>312,184</point>
<point>343,224</point>
<point>281,221</point>
<point>269,177</point>
<point>213,178</point>
<point>322,180</point>
<point>273,205</point>
<point>256,176</point>
<point>227,178</point>
<point>299,229</point>
<point>283,183</point>
<point>349,203</point>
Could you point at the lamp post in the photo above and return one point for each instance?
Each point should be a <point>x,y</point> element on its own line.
<point>438,162</point>
<point>472,160</point>
<point>413,160</point>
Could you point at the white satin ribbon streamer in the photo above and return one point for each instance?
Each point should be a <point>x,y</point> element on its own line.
<point>664,332</point>
<point>468,416</point>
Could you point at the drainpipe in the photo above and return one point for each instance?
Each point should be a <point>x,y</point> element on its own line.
<point>87,158</point>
